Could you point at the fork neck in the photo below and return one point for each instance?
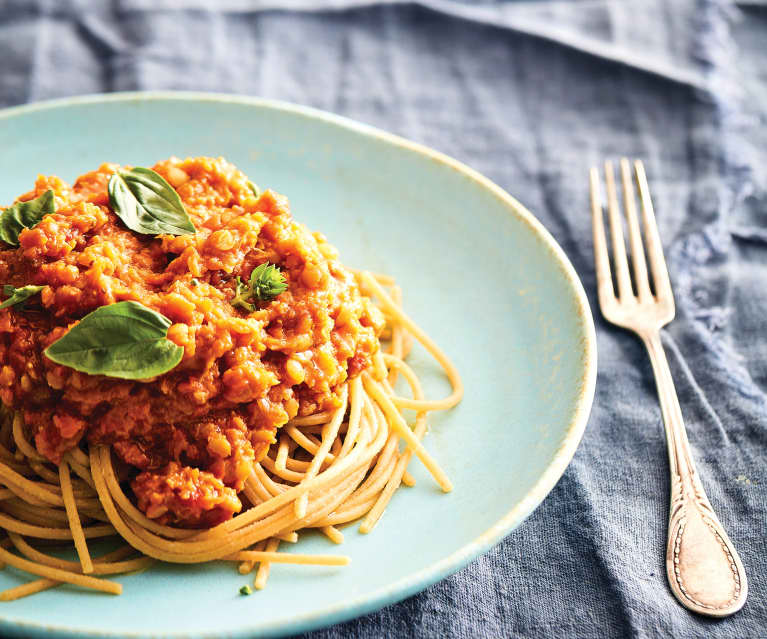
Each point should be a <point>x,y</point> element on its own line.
<point>680,458</point>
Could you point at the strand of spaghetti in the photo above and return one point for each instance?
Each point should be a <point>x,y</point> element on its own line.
<point>251,494</point>
<point>6,493</point>
<point>295,468</point>
<point>396,334</point>
<point>48,572</point>
<point>74,518</point>
<point>364,497</point>
<point>386,280</point>
<point>262,574</point>
<point>398,422</point>
<point>316,429</point>
<point>355,415</point>
<point>50,476</point>
<point>247,566</point>
<point>329,433</point>
<point>83,472</point>
<point>317,418</point>
<point>374,481</point>
<point>450,370</point>
<point>21,441</point>
<point>79,456</point>
<point>415,386</point>
<point>5,543</point>
<point>307,442</point>
<point>319,517</point>
<point>375,513</point>
<point>30,588</point>
<point>12,479</point>
<point>6,455</point>
<point>332,533</point>
<point>14,525</point>
<point>349,513</point>
<point>255,484</point>
<point>289,558</point>
<point>282,453</point>
<point>289,537</point>
<point>287,475</point>
<point>101,566</point>
<point>274,488</point>
<point>15,465</point>
<point>38,515</point>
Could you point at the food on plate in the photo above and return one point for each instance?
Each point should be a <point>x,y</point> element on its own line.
<point>187,368</point>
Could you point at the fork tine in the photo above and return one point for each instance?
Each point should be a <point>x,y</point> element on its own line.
<point>654,247</point>
<point>616,233</point>
<point>635,235</point>
<point>601,258</point>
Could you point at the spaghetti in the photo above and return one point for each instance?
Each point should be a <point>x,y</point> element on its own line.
<point>265,403</point>
<point>329,469</point>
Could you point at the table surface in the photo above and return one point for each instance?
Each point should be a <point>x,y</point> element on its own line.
<point>532,94</point>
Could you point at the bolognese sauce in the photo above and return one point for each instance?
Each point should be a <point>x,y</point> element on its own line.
<point>188,438</point>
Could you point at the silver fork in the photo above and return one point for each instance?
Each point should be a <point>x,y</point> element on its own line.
<point>704,570</point>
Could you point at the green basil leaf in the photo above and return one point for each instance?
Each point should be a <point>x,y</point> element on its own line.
<point>24,215</point>
<point>125,340</point>
<point>19,295</point>
<point>147,203</point>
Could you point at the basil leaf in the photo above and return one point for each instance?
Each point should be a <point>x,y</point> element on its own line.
<point>125,340</point>
<point>147,203</point>
<point>24,215</point>
<point>19,295</point>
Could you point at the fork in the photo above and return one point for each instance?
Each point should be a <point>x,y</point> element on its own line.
<point>703,568</point>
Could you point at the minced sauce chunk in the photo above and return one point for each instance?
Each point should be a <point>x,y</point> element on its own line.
<point>188,437</point>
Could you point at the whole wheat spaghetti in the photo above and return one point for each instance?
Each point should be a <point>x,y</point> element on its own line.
<point>283,411</point>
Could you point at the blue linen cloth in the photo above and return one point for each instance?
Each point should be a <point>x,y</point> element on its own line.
<point>531,94</point>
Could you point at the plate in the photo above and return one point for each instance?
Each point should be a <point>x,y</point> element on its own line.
<point>479,273</point>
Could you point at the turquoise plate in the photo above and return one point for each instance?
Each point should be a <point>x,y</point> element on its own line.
<point>479,272</point>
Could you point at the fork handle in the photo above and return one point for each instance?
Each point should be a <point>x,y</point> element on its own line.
<point>703,568</point>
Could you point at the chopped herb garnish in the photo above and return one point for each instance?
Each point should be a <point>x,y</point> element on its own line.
<point>245,590</point>
<point>242,294</point>
<point>266,282</point>
<point>19,295</point>
<point>254,188</point>
<point>195,282</point>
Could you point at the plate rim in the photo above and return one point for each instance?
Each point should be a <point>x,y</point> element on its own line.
<point>415,582</point>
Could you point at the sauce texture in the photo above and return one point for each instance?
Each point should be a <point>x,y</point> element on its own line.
<point>187,439</point>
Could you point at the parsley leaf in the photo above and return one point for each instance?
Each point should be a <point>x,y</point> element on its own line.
<point>266,282</point>
<point>242,294</point>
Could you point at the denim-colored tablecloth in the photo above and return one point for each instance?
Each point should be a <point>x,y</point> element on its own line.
<point>531,94</point>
